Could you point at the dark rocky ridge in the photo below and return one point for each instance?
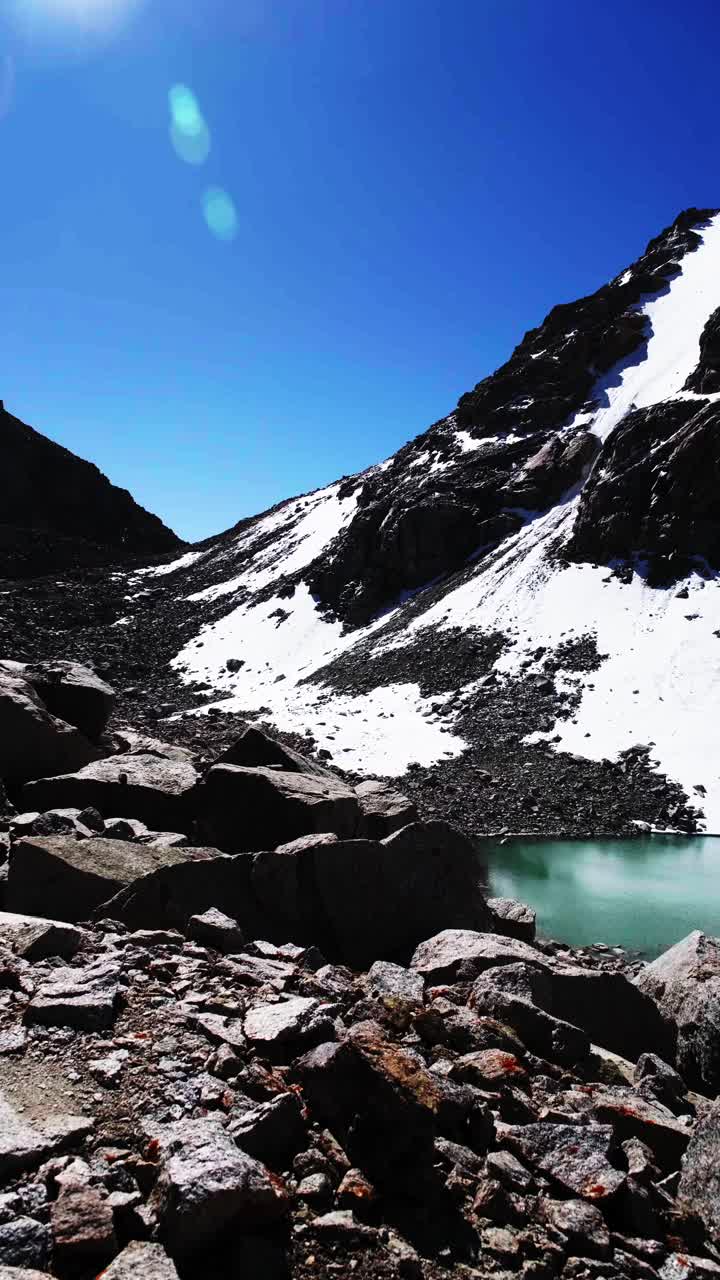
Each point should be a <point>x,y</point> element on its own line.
<point>413,524</point>
<point>59,511</point>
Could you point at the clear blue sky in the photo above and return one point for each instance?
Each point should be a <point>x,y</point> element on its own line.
<point>415,183</point>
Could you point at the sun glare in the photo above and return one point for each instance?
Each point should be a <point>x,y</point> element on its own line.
<point>84,15</point>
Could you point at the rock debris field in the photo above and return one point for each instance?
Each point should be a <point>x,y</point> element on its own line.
<point>256,1021</point>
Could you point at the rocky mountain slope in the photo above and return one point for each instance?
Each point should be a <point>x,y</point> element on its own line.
<point>518,611</point>
<point>57,511</point>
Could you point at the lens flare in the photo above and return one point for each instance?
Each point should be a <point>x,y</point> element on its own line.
<point>189,133</point>
<point>220,213</point>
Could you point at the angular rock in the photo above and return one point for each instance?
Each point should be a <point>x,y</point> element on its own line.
<point>575,1156</point>
<point>685,984</point>
<point>512,919</point>
<point>220,1029</point>
<point>24,1242</point>
<point>683,1266</point>
<point>85,999</point>
<point>32,741</point>
<point>635,1117</point>
<point>256,748</point>
<point>82,1226</point>
<point>212,928</point>
<point>140,1260</point>
<point>419,877</point>
<point>186,885</point>
<point>73,693</point>
<point>394,982</point>
<point>605,1005</point>
<point>34,938</point>
<point>151,788</point>
<point>383,809</point>
<point>207,1185</point>
<point>256,971</point>
<point>21,1273</point>
<point>273,1131</point>
<point>270,1024</point>
<point>700,1181</point>
<point>24,1145</point>
<point>243,808</point>
<point>457,954</point>
<point>404,1105</point>
<point>71,878</point>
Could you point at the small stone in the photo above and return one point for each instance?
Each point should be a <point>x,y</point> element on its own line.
<point>214,929</point>
<point>141,1261</point>
<point>24,1243</point>
<point>82,1225</point>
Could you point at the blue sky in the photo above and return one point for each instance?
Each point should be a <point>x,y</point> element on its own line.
<point>415,183</point>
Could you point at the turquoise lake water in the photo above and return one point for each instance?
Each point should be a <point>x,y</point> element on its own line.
<point>643,894</point>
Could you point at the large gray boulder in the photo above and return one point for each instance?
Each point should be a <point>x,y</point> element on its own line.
<point>32,938</point>
<point>455,954</point>
<point>152,788</point>
<point>24,1145</point>
<point>74,693</point>
<point>700,1180</point>
<point>33,742</point>
<point>605,1005</point>
<point>255,748</point>
<point>69,878</point>
<point>383,809</point>
<point>207,1185</point>
<point>379,898</point>
<point>357,900</point>
<point>243,808</point>
<point>685,984</point>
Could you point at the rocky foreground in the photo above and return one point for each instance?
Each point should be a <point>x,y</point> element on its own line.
<point>255,1021</point>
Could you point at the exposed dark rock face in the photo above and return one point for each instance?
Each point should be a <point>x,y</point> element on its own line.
<point>654,492</point>
<point>58,510</point>
<point>436,504</point>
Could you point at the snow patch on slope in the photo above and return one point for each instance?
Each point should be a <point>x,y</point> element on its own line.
<point>675,320</point>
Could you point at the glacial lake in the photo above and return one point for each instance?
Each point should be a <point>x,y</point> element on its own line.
<point>643,894</point>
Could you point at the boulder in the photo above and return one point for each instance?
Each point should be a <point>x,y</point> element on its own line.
<point>24,1242</point>
<point>254,748</point>
<point>383,809</point>
<point>267,1025</point>
<point>577,1157</point>
<point>86,999</point>
<point>33,939</point>
<point>357,900</point>
<point>684,982</point>
<point>272,1131</point>
<point>72,877</point>
<point>208,1185</point>
<point>82,1226</point>
<point>151,788</point>
<point>511,918</point>
<point>493,996</point>
<point>612,1012</point>
<point>24,1145</point>
<point>380,898</point>
<point>33,742</point>
<point>404,1105</point>
<point>140,1260</point>
<point>167,897</point>
<point>73,693</point>
<point>244,808</point>
<point>462,954</point>
<point>394,983</point>
<point>700,1180</point>
<point>212,928</point>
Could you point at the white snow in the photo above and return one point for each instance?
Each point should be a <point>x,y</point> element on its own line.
<point>380,732</point>
<point>675,321</point>
<point>303,529</point>
<point>160,570</point>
